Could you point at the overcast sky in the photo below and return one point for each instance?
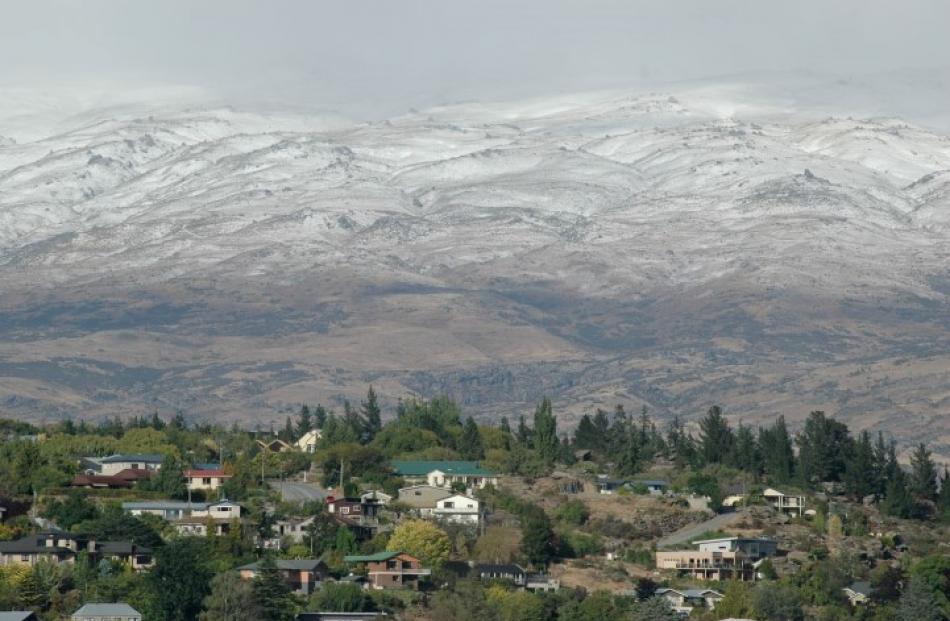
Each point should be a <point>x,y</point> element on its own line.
<point>388,55</point>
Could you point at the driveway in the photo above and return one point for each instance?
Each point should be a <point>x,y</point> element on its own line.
<point>299,492</point>
<point>717,522</point>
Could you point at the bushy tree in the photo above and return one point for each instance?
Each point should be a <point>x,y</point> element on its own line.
<point>777,602</point>
<point>421,539</point>
<point>537,537</point>
<point>180,580</point>
<point>341,597</point>
<point>231,599</point>
<point>823,447</point>
<point>546,443</point>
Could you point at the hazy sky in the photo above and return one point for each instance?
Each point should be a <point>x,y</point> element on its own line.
<point>390,54</point>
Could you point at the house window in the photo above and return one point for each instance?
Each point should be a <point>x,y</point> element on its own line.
<point>206,481</point>
<point>449,505</point>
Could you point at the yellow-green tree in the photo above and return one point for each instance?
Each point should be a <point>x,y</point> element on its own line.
<point>421,539</point>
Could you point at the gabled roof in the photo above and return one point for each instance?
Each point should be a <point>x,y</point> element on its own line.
<point>119,609</point>
<point>422,468</point>
<point>372,558</point>
<point>689,593</point>
<point>499,568</point>
<point>737,539</point>
<point>148,458</point>
<point>16,615</point>
<point>861,588</point>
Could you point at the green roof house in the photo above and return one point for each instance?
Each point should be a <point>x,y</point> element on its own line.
<point>445,473</point>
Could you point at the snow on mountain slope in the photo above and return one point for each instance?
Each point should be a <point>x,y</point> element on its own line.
<point>595,247</point>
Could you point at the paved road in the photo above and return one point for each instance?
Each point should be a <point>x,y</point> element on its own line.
<point>690,532</point>
<point>299,492</point>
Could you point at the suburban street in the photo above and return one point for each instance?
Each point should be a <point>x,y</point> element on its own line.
<point>715,523</point>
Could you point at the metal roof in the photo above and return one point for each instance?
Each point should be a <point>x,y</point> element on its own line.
<point>119,609</point>
<point>422,468</point>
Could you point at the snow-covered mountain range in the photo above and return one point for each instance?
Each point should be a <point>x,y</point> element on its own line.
<point>671,249</point>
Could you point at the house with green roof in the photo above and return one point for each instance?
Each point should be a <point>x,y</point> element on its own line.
<point>445,473</point>
<point>390,570</point>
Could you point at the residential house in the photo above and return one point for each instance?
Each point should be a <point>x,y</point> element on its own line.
<point>139,558</point>
<point>391,570</point>
<point>202,527</point>
<point>608,486</point>
<point>541,582</point>
<point>205,479</point>
<point>858,593</point>
<point>121,480</point>
<point>294,529</point>
<point>457,509</point>
<point>683,601</point>
<point>117,463</point>
<point>167,509</point>
<point>308,441</point>
<point>216,518</point>
<point>786,503</point>
<point>707,565</point>
<point>221,510</point>
<point>445,473</point>
<point>53,545</point>
<point>381,498</point>
<point>106,612</point>
<point>423,498</point>
<point>100,481</point>
<point>302,575</point>
<point>18,615</point>
<point>502,571</point>
<point>357,509</point>
<point>753,547</point>
<point>653,486</point>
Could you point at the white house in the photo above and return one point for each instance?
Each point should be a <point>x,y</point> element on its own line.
<point>683,601</point>
<point>308,442</point>
<point>458,509</point>
<point>205,479</point>
<point>114,464</point>
<point>786,503</point>
<point>223,510</point>
<point>167,509</point>
<point>753,547</point>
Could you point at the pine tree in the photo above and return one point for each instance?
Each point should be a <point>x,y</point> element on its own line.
<point>470,443</point>
<point>304,421</point>
<point>505,430</point>
<point>923,477</point>
<point>943,498</point>
<point>880,464</point>
<point>372,416</point>
<point>778,454</point>
<point>859,478</point>
<point>273,596</point>
<point>716,439</point>
<point>287,435</point>
<point>320,416</point>
<point>897,499</point>
<point>745,454</point>
<point>546,443</point>
<point>524,433</point>
<point>586,435</point>
<point>823,446</point>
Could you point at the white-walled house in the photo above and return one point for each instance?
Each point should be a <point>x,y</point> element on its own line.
<point>786,503</point>
<point>115,464</point>
<point>308,441</point>
<point>458,509</point>
<point>205,479</point>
